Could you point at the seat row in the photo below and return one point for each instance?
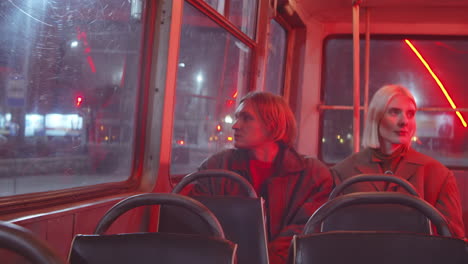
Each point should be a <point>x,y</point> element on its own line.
<point>353,228</point>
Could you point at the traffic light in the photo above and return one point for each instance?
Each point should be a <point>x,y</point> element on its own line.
<point>79,100</point>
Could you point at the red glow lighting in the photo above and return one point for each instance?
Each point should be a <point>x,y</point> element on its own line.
<point>91,64</point>
<point>234,95</point>
<point>79,100</point>
<point>434,76</point>
<point>180,142</point>
<point>218,128</point>
<point>81,35</point>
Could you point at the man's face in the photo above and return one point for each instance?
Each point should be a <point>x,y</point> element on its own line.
<point>398,123</point>
<point>249,130</point>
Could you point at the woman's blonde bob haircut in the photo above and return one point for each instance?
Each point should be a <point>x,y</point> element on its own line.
<point>377,108</point>
<point>275,114</point>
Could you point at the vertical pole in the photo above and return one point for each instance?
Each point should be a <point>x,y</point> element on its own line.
<point>367,64</point>
<point>356,94</point>
<point>260,58</point>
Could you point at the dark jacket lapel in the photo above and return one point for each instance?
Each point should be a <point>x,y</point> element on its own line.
<point>408,166</point>
<point>365,165</point>
<point>406,169</point>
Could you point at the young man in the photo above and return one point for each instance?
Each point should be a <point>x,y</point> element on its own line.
<point>292,185</point>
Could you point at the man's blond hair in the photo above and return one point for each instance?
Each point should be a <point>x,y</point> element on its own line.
<point>275,114</point>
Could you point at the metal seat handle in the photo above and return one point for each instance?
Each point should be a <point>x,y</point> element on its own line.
<point>24,242</point>
<point>370,178</point>
<point>216,173</point>
<point>158,199</point>
<point>377,198</point>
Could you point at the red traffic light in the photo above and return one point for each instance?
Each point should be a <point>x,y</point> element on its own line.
<point>79,100</point>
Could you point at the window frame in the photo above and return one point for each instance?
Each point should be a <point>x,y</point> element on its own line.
<point>296,34</point>
<point>257,44</point>
<point>256,67</point>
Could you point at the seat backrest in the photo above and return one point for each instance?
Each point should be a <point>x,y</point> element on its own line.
<point>383,217</point>
<point>24,243</point>
<point>154,247</point>
<point>242,218</point>
<point>366,247</point>
<point>376,198</point>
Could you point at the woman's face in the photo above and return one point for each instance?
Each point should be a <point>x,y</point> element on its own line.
<point>398,123</point>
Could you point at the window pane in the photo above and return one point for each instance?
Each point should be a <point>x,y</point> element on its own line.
<point>392,60</point>
<point>242,13</point>
<point>441,136</point>
<point>276,58</point>
<point>337,135</point>
<point>213,67</point>
<point>67,114</point>
<point>338,71</point>
<point>219,5</point>
<point>448,58</point>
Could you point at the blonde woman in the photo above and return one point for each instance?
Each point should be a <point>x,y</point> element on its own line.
<point>389,127</point>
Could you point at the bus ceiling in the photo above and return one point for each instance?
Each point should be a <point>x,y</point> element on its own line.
<point>383,11</point>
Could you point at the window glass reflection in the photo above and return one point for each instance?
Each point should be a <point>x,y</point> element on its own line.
<point>68,96</point>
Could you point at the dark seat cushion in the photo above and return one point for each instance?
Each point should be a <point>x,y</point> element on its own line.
<point>146,248</point>
<point>376,247</point>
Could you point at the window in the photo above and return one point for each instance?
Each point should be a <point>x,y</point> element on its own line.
<point>441,132</point>
<point>68,80</point>
<point>212,75</point>
<point>242,13</point>
<point>276,58</point>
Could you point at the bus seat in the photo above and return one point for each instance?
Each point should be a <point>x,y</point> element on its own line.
<point>154,247</point>
<point>242,218</point>
<point>383,217</point>
<point>24,243</point>
<point>367,247</point>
